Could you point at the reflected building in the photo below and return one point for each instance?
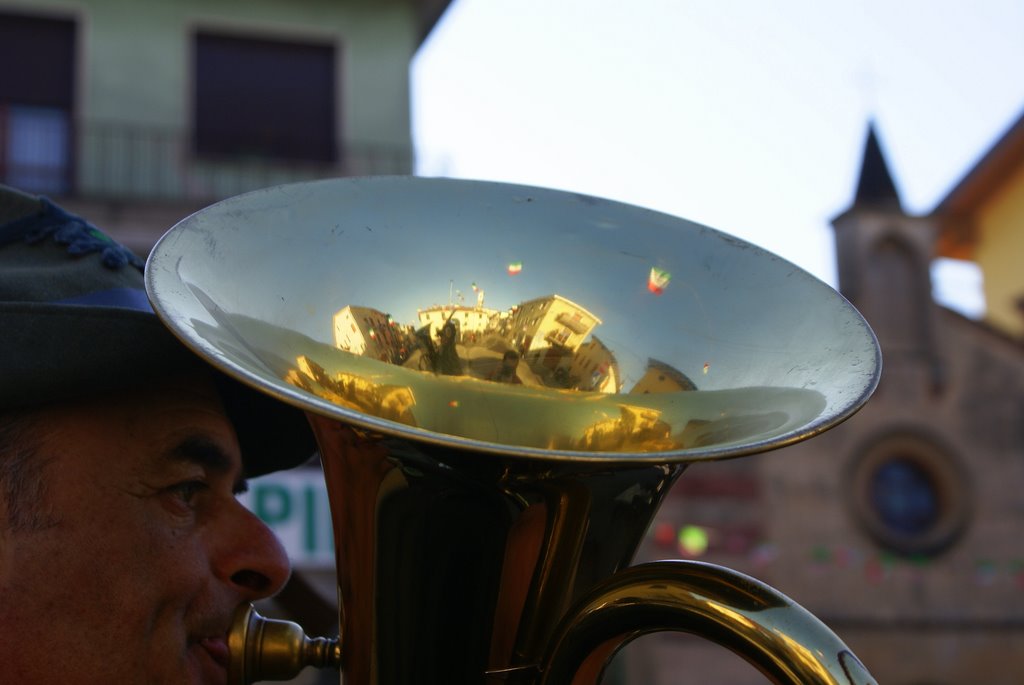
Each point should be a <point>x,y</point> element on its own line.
<point>636,428</point>
<point>367,332</point>
<point>550,323</point>
<point>352,391</point>
<point>468,321</point>
<point>548,331</point>
<point>662,377</point>
<point>594,368</point>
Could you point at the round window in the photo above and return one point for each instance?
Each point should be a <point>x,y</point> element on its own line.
<point>904,496</point>
<point>909,494</point>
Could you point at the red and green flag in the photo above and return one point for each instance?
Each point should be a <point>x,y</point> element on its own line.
<point>658,280</point>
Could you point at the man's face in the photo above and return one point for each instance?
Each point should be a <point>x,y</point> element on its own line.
<point>145,553</point>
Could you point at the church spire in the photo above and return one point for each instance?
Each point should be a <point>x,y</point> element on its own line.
<point>876,186</point>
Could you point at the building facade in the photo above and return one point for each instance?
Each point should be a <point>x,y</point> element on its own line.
<point>135,114</point>
<point>902,528</point>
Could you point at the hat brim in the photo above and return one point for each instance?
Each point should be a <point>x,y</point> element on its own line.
<point>118,349</point>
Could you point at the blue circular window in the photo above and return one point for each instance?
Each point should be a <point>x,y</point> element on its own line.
<point>904,495</point>
<point>909,494</point>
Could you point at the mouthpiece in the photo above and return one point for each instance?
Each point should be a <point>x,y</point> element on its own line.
<point>268,649</point>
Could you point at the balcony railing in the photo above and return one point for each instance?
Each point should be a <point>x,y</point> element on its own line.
<point>145,163</point>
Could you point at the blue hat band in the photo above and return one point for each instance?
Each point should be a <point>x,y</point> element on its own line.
<point>124,298</point>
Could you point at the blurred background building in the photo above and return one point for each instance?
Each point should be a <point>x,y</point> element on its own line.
<point>135,114</point>
<point>902,529</point>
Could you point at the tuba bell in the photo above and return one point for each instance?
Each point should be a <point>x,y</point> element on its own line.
<point>504,382</point>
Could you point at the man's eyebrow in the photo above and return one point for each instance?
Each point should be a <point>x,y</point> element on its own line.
<point>203,451</point>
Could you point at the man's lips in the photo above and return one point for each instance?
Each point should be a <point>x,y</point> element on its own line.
<point>208,659</point>
<point>217,648</point>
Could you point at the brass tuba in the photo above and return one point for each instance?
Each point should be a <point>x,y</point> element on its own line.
<point>504,382</point>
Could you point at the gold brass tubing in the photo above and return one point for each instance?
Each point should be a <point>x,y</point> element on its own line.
<point>776,635</point>
<point>568,510</point>
<point>363,476</point>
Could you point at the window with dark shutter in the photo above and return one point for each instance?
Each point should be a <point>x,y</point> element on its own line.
<point>37,94</point>
<point>264,98</point>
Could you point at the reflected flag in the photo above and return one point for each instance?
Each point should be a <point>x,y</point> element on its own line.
<point>658,280</point>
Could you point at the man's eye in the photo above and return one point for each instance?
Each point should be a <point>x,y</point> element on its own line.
<point>187,491</point>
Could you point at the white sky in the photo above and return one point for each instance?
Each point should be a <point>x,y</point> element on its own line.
<point>745,115</point>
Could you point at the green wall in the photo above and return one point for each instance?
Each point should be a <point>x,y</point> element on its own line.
<point>135,55</point>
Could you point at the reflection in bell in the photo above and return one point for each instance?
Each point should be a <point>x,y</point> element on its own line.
<point>551,419</point>
<point>492,467</point>
<point>354,392</point>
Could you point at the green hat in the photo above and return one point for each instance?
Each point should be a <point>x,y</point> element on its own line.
<point>75,321</point>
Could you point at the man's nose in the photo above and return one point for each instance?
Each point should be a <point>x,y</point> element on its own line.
<point>252,559</point>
